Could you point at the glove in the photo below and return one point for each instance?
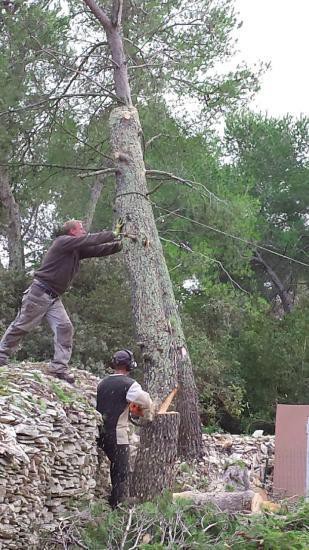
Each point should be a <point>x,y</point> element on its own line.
<point>118,227</point>
<point>149,413</point>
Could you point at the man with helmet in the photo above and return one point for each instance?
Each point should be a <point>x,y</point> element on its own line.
<point>114,394</point>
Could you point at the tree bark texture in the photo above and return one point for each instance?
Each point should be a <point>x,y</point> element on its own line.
<point>190,430</point>
<point>13,233</point>
<point>283,293</point>
<point>154,469</point>
<point>157,320</point>
<point>143,255</point>
<point>237,501</point>
<point>95,194</point>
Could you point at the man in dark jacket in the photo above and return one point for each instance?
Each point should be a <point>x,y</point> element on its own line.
<point>42,299</point>
<point>114,394</point>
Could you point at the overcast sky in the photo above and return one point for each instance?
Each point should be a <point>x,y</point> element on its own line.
<point>277,31</point>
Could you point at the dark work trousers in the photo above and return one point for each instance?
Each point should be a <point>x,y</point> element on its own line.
<point>119,468</point>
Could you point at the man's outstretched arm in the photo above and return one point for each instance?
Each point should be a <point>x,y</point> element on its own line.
<point>100,250</point>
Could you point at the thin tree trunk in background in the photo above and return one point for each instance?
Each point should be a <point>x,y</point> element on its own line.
<point>13,232</point>
<point>95,194</point>
<point>283,293</point>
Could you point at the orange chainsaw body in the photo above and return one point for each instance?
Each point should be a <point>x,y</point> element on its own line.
<point>136,410</point>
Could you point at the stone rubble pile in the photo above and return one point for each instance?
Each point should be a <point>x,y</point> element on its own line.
<point>48,454</point>
<point>230,462</point>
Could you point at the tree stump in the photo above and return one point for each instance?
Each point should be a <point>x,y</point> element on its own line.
<point>154,469</point>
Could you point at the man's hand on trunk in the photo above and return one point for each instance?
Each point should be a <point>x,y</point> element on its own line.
<point>118,227</point>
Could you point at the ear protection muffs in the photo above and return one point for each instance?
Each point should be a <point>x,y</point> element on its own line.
<point>129,363</point>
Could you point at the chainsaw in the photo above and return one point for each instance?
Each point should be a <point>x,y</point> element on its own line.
<point>137,414</point>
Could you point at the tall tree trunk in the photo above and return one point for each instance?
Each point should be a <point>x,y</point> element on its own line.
<point>157,321</point>
<point>285,297</point>
<point>13,233</point>
<point>95,194</point>
<point>187,397</point>
<point>143,256</point>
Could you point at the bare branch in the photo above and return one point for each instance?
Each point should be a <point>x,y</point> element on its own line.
<point>96,173</point>
<point>159,174</point>
<point>99,13</point>
<point>127,529</point>
<point>151,140</point>
<point>79,72</point>
<point>117,12</point>
<point>188,249</point>
<point>47,165</point>
<point>38,104</point>
<point>81,65</point>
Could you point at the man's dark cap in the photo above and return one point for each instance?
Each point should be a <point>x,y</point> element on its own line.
<point>123,358</point>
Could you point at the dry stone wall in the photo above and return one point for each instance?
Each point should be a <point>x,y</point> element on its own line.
<point>48,454</point>
<point>49,460</point>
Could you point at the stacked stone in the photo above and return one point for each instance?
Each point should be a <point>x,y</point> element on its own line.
<point>48,453</point>
<point>230,461</point>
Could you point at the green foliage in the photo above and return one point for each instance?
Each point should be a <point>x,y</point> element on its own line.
<point>253,186</point>
<point>167,524</point>
<point>65,396</point>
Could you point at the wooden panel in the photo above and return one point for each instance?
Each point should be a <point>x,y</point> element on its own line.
<point>290,474</point>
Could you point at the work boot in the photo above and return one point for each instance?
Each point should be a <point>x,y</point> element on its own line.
<point>64,375</point>
<point>3,361</point>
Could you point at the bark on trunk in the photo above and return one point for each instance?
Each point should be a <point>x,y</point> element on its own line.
<point>95,194</point>
<point>143,256</point>
<point>157,322</point>
<point>154,469</point>
<point>226,502</point>
<point>190,430</point>
<point>283,293</point>
<point>13,232</point>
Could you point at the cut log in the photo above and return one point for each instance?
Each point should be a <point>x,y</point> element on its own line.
<point>236,501</point>
<point>154,469</point>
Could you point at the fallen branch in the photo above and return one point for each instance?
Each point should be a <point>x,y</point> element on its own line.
<point>237,501</point>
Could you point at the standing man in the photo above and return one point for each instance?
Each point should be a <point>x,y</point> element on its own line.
<point>42,299</point>
<point>114,394</point>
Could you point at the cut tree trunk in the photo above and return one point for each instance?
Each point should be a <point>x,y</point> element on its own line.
<point>142,256</point>
<point>157,321</point>
<point>154,469</point>
<point>13,232</point>
<point>226,502</point>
